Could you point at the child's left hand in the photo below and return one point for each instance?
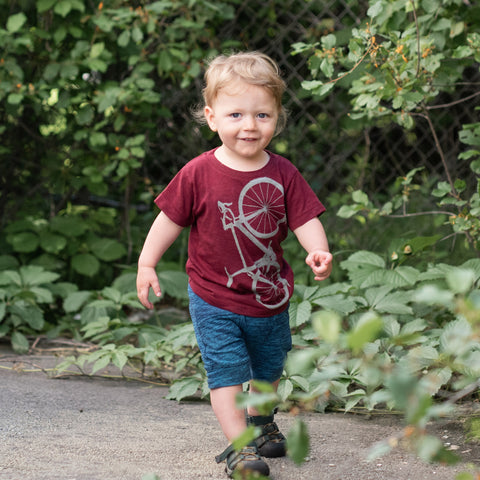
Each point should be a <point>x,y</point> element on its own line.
<point>321,264</point>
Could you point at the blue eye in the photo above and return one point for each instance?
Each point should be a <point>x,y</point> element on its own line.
<point>235,115</point>
<point>263,115</point>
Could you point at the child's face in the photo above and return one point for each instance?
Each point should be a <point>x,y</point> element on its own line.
<point>245,118</point>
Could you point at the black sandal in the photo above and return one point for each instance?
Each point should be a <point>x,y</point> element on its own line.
<point>271,443</point>
<point>247,460</point>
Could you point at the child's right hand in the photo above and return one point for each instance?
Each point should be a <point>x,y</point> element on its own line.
<point>146,278</point>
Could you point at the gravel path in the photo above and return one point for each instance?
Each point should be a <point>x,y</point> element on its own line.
<point>81,428</point>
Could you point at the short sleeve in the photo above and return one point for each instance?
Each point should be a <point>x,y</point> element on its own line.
<point>177,199</point>
<point>302,202</point>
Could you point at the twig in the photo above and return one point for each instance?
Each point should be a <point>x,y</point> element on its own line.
<point>464,392</point>
<point>417,214</point>
<point>451,104</point>
<point>335,80</point>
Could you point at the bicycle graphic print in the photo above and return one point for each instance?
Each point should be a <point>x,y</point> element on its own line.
<point>261,211</point>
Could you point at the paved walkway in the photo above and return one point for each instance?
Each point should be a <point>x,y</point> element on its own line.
<point>82,428</point>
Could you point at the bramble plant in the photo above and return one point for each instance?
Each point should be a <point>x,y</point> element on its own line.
<point>394,67</point>
<point>390,338</point>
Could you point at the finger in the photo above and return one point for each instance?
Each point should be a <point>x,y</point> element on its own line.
<point>328,258</point>
<point>143,293</point>
<point>143,297</point>
<point>156,289</point>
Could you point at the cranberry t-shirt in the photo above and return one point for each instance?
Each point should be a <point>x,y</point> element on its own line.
<point>238,221</point>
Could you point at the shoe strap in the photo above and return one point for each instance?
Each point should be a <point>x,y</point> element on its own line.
<point>259,420</point>
<point>222,457</point>
<point>247,450</point>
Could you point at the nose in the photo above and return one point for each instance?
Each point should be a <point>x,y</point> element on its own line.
<point>249,122</point>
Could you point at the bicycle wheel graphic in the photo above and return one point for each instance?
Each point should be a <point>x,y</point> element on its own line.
<point>270,291</point>
<point>261,207</point>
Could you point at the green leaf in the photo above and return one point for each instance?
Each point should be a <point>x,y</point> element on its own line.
<point>8,262</point>
<point>460,280</point>
<point>455,337</point>
<point>285,388</point>
<point>75,301</point>
<point>247,436</point>
<point>35,275</point>
<point>366,330</point>
<point>85,115</point>
<point>42,295</point>
<point>375,9</point>
<point>186,387</point>
<point>347,211</point>
<point>107,249</point>
<point>19,342</point>
<point>44,5</point>
<point>29,314</point>
<point>85,264</point>
<point>361,264</point>
<point>298,442</point>
<point>327,325</point>
<point>137,35</point>
<point>119,359</point>
<point>432,295</point>
<point>327,67</point>
<point>443,188</point>
<point>63,8</point>
<point>24,242</point>
<point>98,139</point>
<point>429,447</point>
<point>174,284</point>
<point>151,476</point>
<point>15,22</point>
<point>302,382</point>
<point>124,38</point>
<point>381,300</point>
<point>70,226</point>
<point>300,313</point>
<point>360,197</point>
<point>101,363</point>
<point>8,277</point>
<point>52,243</point>
<point>399,277</point>
<point>337,303</point>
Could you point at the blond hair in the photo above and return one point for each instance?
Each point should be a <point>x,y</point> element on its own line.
<point>254,68</point>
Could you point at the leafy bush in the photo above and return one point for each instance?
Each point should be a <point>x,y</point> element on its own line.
<point>391,338</point>
<point>28,294</point>
<point>73,244</point>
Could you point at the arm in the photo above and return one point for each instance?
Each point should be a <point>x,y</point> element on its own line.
<point>312,238</point>
<point>161,235</point>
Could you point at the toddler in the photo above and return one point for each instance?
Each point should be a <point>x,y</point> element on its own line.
<point>239,201</point>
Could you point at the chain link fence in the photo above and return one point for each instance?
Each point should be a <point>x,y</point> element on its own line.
<point>316,140</point>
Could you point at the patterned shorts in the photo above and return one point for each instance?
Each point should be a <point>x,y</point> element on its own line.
<point>237,348</point>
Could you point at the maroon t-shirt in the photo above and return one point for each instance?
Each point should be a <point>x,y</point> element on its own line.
<point>238,221</point>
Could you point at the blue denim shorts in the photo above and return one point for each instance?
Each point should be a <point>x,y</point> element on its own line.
<point>236,348</point>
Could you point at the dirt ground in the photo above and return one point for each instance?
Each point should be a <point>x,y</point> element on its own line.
<point>84,428</point>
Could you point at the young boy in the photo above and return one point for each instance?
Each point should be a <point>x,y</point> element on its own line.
<point>239,200</point>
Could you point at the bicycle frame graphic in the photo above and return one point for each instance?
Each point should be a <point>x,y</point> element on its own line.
<point>261,210</point>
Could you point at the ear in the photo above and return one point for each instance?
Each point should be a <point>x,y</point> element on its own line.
<point>210,116</point>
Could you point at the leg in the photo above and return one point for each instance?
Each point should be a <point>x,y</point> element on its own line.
<point>253,411</point>
<point>233,423</point>
<point>271,442</point>
<point>231,419</point>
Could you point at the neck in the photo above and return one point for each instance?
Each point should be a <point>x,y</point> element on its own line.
<point>239,163</point>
